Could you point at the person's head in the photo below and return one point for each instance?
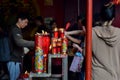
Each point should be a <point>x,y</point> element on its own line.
<point>81,20</point>
<point>108,12</point>
<point>39,20</point>
<point>22,20</point>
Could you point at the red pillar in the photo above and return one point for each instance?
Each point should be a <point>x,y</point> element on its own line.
<point>116,1</point>
<point>88,57</point>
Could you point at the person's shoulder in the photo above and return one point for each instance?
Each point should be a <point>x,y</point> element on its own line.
<point>14,28</point>
<point>96,27</point>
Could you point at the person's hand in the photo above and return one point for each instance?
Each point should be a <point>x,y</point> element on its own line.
<point>66,33</point>
<point>77,46</point>
<point>83,27</point>
<point>26,50</point>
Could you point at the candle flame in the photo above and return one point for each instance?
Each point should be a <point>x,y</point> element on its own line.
<point>50,47</point>
<point>26,72</point>
<point>43,31</point>
<point>46,33</point>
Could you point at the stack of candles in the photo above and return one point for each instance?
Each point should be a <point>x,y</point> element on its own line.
<point>42,44</point>
<point>59,42</point>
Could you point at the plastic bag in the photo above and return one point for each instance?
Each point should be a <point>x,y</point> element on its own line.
<point>76,64</point>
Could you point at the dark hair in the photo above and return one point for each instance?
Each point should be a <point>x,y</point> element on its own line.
<point>108,12</point>
<point>23,15</point>
<point>81,17</point>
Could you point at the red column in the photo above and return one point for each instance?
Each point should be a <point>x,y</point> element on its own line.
<point>89,41</point>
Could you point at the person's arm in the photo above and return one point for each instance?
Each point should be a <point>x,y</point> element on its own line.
<point>73,39</point>
<point>81,32</point>
<point>18,38</point>
<point>78,47</point>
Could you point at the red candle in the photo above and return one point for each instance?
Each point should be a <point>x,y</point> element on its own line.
<point>55,32</point>
<point>38,53</point>
<point>61,31</point>
<point>54,45</point>
<point>38,40</point>
<point>46,44</point>
<point>59,44</point>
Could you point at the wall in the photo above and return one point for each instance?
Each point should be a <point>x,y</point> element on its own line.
<point>71,7</point>
<point>55,11</point>
<point>117,16</point>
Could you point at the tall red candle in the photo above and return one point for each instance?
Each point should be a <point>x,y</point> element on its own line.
<point>59,44</point>
<point>46,44</point>
<point>54,45</point>
<point>61,32</point>
<point>38,53</point>
<point>55,32</point>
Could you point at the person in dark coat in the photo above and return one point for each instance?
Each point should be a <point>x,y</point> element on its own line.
<point>17,45</point>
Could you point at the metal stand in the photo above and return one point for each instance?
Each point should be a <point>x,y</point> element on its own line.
<point>64,74</point>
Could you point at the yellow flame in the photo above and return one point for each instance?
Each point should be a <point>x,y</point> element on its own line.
<point>46,33</point>
<point>50,47</point>
<point>26,72</point>
<point>43,31</point>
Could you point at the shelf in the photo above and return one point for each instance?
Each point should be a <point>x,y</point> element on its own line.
<point>64,74</point>
<point>39,75</point>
